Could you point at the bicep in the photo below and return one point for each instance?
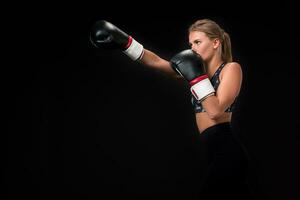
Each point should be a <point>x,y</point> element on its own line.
<point>230,85</point>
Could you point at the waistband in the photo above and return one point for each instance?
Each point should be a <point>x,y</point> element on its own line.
<point>224,128</point>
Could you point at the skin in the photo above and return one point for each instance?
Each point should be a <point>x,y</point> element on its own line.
<point>230,78</point>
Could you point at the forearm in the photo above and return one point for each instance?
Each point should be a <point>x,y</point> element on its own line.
<point>105,35</point>
<point>213,107</point>
<point>152,60</point>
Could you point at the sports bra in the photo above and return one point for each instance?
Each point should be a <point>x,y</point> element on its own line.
<point>215,82</point>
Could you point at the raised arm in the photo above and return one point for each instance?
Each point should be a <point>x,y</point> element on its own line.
<point>105,35</point>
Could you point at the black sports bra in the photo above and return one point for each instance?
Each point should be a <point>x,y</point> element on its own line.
<point>215,82</point>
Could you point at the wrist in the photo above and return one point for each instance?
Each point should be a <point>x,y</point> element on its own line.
<point>134,49</point>
<point>209,95</point>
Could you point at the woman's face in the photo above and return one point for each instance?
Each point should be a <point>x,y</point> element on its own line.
<point>202,45</point>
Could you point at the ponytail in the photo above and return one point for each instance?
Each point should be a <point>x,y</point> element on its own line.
<point>226,48</point>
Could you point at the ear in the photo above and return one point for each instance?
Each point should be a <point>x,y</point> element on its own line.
<point>216,43</point>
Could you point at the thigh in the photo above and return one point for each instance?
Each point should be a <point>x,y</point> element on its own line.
<point>226,174</point>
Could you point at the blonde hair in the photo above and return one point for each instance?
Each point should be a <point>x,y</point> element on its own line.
<point>213,30</point>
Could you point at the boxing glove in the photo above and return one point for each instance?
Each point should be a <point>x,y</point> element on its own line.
<point>105,35</point>
<point>191,67</point>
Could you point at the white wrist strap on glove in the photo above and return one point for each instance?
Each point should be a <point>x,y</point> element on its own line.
<point>202,89</point>
<point>135,49</point>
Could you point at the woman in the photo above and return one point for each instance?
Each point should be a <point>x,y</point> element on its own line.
<point>227,160</point>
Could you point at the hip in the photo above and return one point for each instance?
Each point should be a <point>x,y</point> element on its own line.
<point>223,145</point>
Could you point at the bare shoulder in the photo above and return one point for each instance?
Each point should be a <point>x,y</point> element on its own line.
<point>232,68</point>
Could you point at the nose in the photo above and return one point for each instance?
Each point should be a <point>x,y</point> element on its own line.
<point>195,52</point>
<point>193,49</point>
<point>191,46</point>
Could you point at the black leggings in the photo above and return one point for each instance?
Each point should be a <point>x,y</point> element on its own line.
<point>227,164</point>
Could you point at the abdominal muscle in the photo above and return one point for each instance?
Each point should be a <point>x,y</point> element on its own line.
<point>204,121</point>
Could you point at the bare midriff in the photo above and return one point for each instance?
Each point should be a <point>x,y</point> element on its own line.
<point>204,121</point>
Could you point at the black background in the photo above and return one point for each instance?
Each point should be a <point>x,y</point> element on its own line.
<point>85,123</point>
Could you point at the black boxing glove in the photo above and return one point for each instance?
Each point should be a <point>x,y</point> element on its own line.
<point>190,66</point>
<point>107,36</point>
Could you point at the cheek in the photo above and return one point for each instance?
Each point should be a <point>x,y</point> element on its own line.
<point>203,50</point>
<point>203,47</point>
<point>208,49</point>
<point>200,49</point>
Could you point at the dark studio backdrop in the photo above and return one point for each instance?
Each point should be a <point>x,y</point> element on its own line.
<point>85,123</point>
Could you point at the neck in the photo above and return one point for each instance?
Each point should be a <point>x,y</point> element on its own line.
<point>213,64</point>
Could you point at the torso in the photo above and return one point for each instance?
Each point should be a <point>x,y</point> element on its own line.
<point>204,121</point>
